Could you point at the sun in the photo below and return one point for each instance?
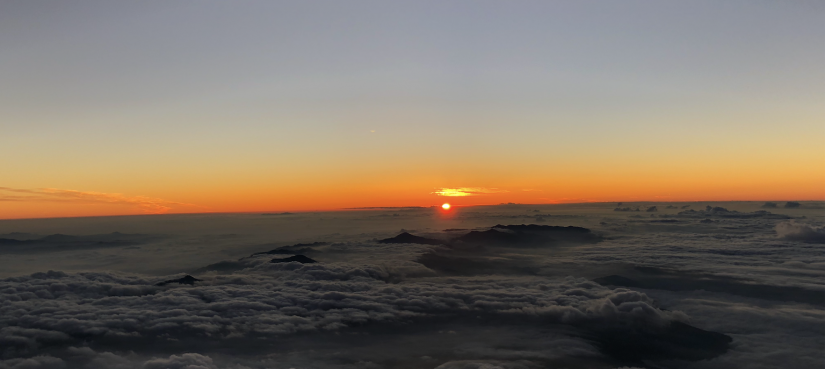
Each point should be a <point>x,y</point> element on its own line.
<point>446,206</point>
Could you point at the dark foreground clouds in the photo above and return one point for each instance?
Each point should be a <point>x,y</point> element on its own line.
<point>801,232</point>
<point>46,314</point>
<point>615,290</point>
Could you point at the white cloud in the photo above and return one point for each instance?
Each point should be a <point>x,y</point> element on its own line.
<point>466,191</point>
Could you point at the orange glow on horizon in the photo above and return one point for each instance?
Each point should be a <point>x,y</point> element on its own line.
<point>406,186</point>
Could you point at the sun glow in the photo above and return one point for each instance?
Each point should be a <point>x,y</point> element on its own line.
<point>445,206</point>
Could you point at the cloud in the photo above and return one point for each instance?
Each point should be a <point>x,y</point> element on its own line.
<point>800,232</point>
<point>61,242</point>
<point>720,212</point>
<point>185,361</point>
<point>663,279</point>
<point>484,364</point>
<point>466,191</point>
<point>372,305</point>
<point>148,205</point>
<point>767,336</point>
<point>37,362</point>
<point>114,312</point>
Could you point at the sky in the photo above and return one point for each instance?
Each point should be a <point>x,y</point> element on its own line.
<point>111,108</point>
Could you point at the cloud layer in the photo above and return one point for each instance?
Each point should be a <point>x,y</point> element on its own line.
<point>466,191</point>
<point>637,289</point>
<point>148,205</point>
<point>801,232</point>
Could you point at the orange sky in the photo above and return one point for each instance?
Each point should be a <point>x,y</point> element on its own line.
<point>399,191</point>
<point>284,109</point>
<point>401,168</point>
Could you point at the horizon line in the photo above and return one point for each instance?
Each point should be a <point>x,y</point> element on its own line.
<point>293,212</point>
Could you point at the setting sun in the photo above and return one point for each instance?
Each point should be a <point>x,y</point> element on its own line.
<point>445,206</point>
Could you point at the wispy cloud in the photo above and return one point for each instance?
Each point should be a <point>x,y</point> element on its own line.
<point>148,205</point>
<point>466,191</point>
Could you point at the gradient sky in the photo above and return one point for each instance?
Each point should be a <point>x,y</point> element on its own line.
<point>187,106</point>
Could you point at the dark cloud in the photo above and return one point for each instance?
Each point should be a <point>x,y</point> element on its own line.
<point>110,312</point>
<point>185,361</point>
<point>36,362</point>
<point>792,204</point>
<point>225,266</point>
<point>672,280</point>
<point>61,242</point>
<point>801,232</point>
<point>672,293</point>
<point>720,212</point>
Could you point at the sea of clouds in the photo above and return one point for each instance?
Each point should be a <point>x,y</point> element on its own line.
<point>725,285</point>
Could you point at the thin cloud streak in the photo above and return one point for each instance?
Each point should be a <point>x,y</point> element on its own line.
<point>148,205</point>
<point>467,191</point>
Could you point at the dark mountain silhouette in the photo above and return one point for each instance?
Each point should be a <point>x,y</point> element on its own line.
<point>490,236</point>
<point>298,248</point>
<point>408,238</point>
<point>188,279</point>
<point>297,258</point>
<point>478,252</point>
<point>522,234</point>
<point>513,235</point>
